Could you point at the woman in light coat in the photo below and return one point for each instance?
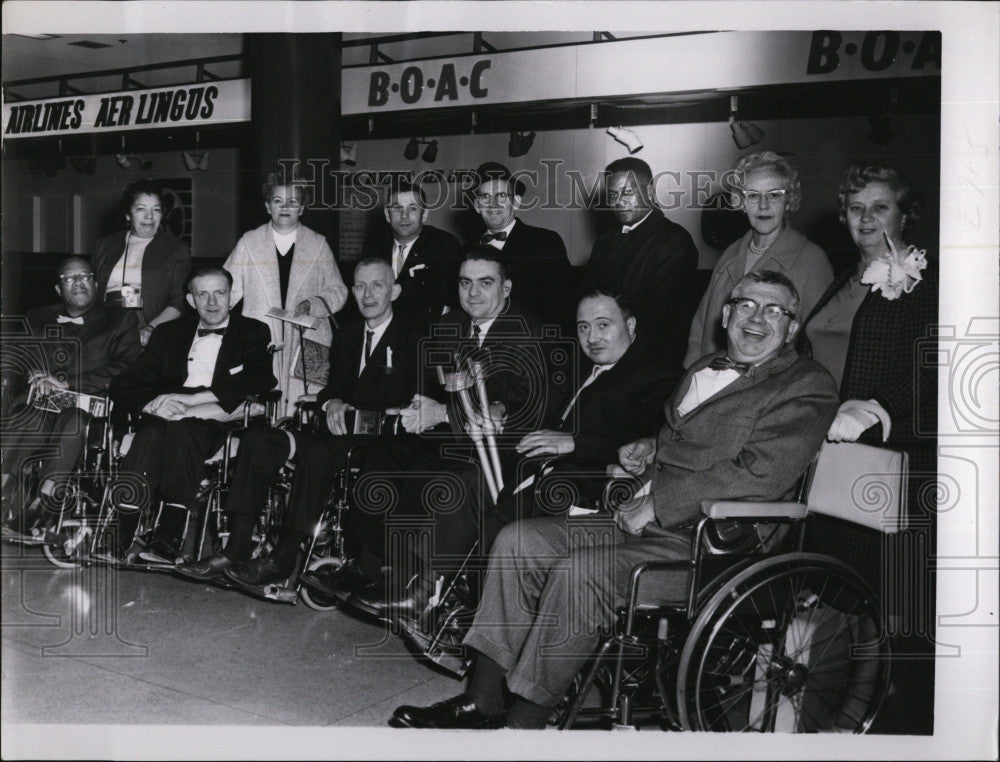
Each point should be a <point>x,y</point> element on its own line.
<point>285,265</point>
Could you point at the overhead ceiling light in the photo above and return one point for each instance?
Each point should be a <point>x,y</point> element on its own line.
<point>195,159</point>
<point>627,138</point>
<point>745,134</point>
<point>129,160</point>
<point>412,150</point>
<point>349,154</point>
<point>520,143</point>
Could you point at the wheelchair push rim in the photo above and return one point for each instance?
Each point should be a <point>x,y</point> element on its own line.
<point>794,643</point>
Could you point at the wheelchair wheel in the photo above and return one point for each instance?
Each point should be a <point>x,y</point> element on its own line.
<point>66,545</point>
<point>316,600</point>
<point>793,643</point>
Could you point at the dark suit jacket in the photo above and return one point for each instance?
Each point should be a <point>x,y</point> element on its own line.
<point>165,266</point>
<point>750,441</point>
<point>514,365</point>
<point>539,268</point>
<point>429,279</point>
<point>888,359</point>
<point>242,367</point>
<point>380,384</point>
<point>622,404</point>
<point>656,267</point>
<point>108,343</point>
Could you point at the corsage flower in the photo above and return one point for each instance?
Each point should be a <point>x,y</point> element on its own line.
<point>894,274</point>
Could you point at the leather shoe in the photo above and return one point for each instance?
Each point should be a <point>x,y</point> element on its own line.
<point>388,602</point>
<point>206,569</point>
<point>257,572</point>
<point>332,580</point>
<point>459,713</point>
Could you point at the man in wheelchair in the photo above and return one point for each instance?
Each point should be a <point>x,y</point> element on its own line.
<point>742,424</point>
<point>195,372</point>
<point>372,367</point>
<point>76,346</point>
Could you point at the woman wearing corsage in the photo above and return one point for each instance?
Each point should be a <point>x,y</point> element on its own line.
<point>872,329</point>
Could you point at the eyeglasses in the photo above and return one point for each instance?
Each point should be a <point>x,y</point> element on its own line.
<point>292,202</point>
<point>748,307</point>
<point>488,198</point>
<point>773,196</point>
<point>613,196</point>
<point>76,277</point>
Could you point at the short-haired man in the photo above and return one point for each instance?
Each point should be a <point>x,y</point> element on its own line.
<point>535,258</point>
<point>506,346</point>
<point>742,425</point>
<point>106,339</point>
<point>194,373</point>
<point>373,366</point>
<point>649,259</point>
<point>424,259</point>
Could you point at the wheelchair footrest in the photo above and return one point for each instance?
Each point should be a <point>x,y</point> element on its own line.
<point>281,593</point>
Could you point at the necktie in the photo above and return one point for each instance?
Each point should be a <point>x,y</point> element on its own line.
<point>368,344</point>
<point>64,319</point>
<point>398,258</point>
<point>488,236</point>
<point>598,370</point>
<point>725,363</point>
<point>207,331</point>
<point>476,331</point>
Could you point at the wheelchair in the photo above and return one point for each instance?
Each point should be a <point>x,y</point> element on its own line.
<point>771,638</point>
<point>204,530</point>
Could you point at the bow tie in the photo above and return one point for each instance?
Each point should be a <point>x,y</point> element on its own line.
<point>207,331</point>
<point>488,236</point>
<point>63,319</point>
<point>725,363</point>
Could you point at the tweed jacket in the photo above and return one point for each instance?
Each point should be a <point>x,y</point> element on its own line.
<point>752,440</point>
<point>314,276</point>
<point>792,254</point>
<point>429,278</point>
<point>888,358</point>
<point>166,263</point>
<point>241,368</point>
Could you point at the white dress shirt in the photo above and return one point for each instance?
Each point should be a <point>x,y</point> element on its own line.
<point>202,356</point>
<point>128,268</point>
<point>377,333</point>
<point>498,244</point>
<point>705,383</point>
<point>400,251</point>
<point>283,241</point>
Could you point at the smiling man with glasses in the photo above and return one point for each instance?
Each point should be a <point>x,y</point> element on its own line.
<point>79,344</point>
<point>535,258</point>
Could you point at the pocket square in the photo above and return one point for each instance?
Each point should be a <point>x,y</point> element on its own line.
<point>234,371</point>
<point>416,267</point>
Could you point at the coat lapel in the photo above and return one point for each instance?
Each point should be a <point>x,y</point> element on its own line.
<point>301,265</point>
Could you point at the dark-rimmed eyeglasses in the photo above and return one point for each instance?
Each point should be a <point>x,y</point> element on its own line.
<point>748,307</point>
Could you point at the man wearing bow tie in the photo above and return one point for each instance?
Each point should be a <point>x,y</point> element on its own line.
<point>731,433</point>
<point>649,259</point>
<point>424,259</point>
<point>93,343</point>
<point>195,372</point>
<point>535,258</point>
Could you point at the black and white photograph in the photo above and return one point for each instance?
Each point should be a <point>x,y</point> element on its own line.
<point>388,380</point>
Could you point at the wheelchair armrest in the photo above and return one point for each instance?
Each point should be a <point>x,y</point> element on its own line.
<point>740,509</point>
<point>274,396</point>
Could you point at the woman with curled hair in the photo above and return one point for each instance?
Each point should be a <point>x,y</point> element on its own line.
<point>867,326</point>
<point>767,187</point>
<point>286,265</point>
<point>872,330</point>
<point>143,268</point>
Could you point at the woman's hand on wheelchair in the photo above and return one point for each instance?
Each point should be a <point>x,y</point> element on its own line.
<point>854,417</point>
<point>335,421</point>
<point>633,515</point>
<point>636,456</point>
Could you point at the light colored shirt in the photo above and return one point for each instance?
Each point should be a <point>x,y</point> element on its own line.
<point>400,251</point>
<point>597,370</point>
<point>484,328</point>
<point>377,333</point>
<point>128,268</point>
<point>202,356</point>
<point>630,228</point>
<point>705,384</point>
<point>283,241</point>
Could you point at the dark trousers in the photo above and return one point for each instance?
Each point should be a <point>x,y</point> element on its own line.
<point>165,462</point>
<point>59,438</point>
